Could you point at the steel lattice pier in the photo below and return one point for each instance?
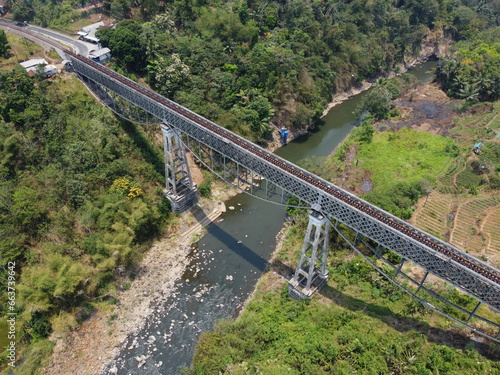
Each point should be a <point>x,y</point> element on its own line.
<point>436,257</point>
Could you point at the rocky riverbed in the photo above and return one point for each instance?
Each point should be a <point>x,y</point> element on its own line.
<point>92,347</point>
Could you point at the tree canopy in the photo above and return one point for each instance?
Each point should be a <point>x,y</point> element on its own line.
<point>473,71</point>
<point>78,199</point>
<point>214,55</point>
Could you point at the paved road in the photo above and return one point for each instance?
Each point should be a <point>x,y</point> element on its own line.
<point>82,48</point>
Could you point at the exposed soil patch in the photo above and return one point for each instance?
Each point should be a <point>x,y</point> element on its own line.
<point>196,173</point>
<point>353,179</point>
<point>427,109</point>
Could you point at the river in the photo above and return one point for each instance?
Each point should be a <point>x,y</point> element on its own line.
<point>227,262</point>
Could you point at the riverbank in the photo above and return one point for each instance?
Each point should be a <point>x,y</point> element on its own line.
<point>434,45</point>
<point>346,94</point>
<point>94,345</point>
<point>106,331</point>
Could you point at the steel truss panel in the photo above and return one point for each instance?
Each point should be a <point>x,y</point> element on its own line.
<point>409,248</point>
<point>311,269</point>
<point>180,189</point>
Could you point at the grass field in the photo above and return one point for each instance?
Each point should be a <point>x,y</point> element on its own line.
<point>407,155</point>
<point>358,323</point>
<point>20,50</point>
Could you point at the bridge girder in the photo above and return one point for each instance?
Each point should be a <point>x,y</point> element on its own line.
<point>482,288</point>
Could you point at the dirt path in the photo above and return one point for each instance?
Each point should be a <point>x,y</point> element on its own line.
<point>454,179</point>
<point>454,224</point>
<point>418,211</point>
<point>490,122</point>
<point>490,212</point>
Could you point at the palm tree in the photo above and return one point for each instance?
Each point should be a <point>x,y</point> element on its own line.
<point>469,92</point>
<point>485,85</point>
<point>447,70</point>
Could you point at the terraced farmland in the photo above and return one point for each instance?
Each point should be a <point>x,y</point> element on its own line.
<point>466,232</point>
<point>433,216</point>
<point>462,209</point>
<point>491,227</point>
<point>470,223</point>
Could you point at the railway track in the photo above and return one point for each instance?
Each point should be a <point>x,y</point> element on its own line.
<point>407,230</point>
<point>359,205</point>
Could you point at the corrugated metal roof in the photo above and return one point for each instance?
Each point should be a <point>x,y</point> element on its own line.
<point>34,62</point>
<point>90,37</point>
<point>94,26</point>
<point>100,52</point>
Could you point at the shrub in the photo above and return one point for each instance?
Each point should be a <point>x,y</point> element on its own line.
<point>37,355</point>
<point>205,189</point>
<point>63,323</point>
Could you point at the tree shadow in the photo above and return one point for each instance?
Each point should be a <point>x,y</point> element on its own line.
<point>151,155</point>
<point>402,323</point>
<point>310,131</point>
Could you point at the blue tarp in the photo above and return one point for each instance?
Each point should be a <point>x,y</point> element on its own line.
<point>284,135</point>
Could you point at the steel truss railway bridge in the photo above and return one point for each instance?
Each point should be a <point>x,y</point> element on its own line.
<point>370,231</point>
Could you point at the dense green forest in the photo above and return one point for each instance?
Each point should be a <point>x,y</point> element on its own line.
<point>81,192</point>
<point>81,199</point>
<point>243,63</point>
<point>472,72</point>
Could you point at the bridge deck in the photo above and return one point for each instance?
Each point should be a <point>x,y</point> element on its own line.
<point>435,256</point>
<point>438,257</point>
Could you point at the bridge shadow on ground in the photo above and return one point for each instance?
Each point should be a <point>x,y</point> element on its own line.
<point>404,324</point>
<point>240,249</point>
<point>149,154</point>
<point>232,244</point>
<point>282,269</point>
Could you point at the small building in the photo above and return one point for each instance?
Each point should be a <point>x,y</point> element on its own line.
<point>87,33</point>
<point>476,147</point>
<point>102,55</point>
<point>33,63</point>
<point>50,70</point>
